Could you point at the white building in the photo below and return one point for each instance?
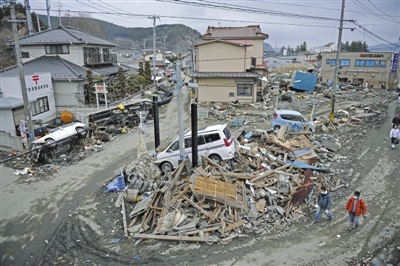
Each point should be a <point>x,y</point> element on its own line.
<point>40,95</point>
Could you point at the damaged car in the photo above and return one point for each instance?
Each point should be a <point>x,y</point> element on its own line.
<point>59,140</point>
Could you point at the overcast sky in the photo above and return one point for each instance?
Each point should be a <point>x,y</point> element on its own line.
<point>379,17</point>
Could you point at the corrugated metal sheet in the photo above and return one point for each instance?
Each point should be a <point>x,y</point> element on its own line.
<point>248,32</point>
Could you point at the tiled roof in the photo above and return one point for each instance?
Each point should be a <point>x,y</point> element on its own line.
<point>10,102</point>
<point>226,75</point>
<point>60,69</point>
<point>248,32</point>
<point>62,35</point>
<point>105,71</point>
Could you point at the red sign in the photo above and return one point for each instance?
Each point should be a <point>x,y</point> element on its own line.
<point>35,79</point>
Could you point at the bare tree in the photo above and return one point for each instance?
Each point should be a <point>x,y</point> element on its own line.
<point>85,22</point>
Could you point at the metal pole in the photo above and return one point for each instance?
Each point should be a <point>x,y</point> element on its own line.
<point>38,23</point>
<point>154,17</point>
<point>97,97</point>
<point>105,93</point>
<point>156,122</point>
<point>48,14</point>
<point>335,76</point>
<point>194,135</point>
<point>29,17</point>
<point>27,105</point>
<point>180,112</point>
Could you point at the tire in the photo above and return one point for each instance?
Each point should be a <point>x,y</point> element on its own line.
<point>166,167</point>
<point>277,127</point>
<point>215,158</point>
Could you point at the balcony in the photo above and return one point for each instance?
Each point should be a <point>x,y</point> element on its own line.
<point>93,57</point>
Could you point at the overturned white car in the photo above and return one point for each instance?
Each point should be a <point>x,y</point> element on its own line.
<point>59,140</point>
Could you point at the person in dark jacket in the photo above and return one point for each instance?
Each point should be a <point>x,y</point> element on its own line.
<point>355,207</point>
<point>396,120</point>
<point>324,202</point>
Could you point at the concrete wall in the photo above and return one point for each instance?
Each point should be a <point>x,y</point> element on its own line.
<point>9,143</point>
<point>7,121</point>
<point>257,51</point>
<point>218,57</point>
<point>217,90</point>
<point>375,75</point>
<point>68,93</point>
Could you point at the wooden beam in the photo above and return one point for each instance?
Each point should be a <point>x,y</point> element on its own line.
<point>270,172</point>
<point>204,230</point>
<point>124,219</point>
<point>175,238</point>
<point>198,207</point>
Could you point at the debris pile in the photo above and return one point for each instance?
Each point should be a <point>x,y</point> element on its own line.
<point>267,186</point>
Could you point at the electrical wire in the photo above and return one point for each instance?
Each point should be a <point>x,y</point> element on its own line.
<point>390,17</point>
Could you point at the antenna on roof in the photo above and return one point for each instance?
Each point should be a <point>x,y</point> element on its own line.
<point>219,24</point>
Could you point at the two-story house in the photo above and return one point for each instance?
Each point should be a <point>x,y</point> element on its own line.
<point>229,64</point>
<point>66,53</point>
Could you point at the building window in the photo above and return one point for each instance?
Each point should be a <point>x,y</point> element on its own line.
<point>57,49</point>
<point>25,54</point>
<point>244,89</point>
<point>328,61</point>
<point>231,94</point>
<point>333,62</point>
<point>380,63</point>
<point>360,63</point>
<point>39,106</point>
<point>344,62</point>
<point>369,63</point>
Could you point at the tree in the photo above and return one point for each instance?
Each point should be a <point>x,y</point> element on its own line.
<point>89,87</point>
<point>147,72</point>
<point>120,85</point>
<point>319,56</point>
<point>85,22</point>
<point>304,46</point>
<point>365,47</point>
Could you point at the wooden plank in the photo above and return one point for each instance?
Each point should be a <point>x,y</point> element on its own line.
<point>175,238</point>
<point>281,133</point>
<point>234,225</point>
<point>204,230</point>
<point>198,207</point>
<point>270,172</point>
<point>124,219</point>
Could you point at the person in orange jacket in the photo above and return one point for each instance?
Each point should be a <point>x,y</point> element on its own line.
<point>355,207</point>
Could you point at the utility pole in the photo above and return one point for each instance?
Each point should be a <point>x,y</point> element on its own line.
<point>180,112</point>
<point>59,5</point>
<point>29,17</point>
<point>337,64</point>
<point>27,105</point>
<point>153,18</point>
<point>38,23</point>
<point>48,14</point>
<point>165,49</point>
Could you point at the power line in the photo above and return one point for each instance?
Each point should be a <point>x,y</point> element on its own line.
<point>382,11</point>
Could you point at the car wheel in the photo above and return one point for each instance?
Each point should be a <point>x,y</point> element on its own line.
<point>51,143</point>
<point>81,131</point>
<point>277,127</point>
<point>166,167</point>
<point>215,158</point>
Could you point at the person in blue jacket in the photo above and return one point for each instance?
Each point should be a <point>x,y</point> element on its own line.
<point>324,202</point>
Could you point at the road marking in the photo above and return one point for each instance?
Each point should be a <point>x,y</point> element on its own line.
<point>377,148</point>
<point>362,154</point>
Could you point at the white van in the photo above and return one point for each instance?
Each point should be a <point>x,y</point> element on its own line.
<point>216,142</point>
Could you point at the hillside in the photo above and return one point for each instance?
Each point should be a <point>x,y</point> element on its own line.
<point>178,37</point>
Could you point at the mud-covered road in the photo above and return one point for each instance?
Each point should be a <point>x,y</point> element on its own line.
<point>70,220</point>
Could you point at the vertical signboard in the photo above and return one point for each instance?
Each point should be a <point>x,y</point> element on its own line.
<point>395,62</point>
<point>23,134</point>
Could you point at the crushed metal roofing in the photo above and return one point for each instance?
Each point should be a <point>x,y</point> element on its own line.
<point>60,69</point>
<point>248,32</point>
<point>62,35</point>
<point>10,102</point>
<point>226,75</point>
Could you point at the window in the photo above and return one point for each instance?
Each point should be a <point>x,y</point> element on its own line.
<point>328,61</point>
<point>25,54</point>
<point>360,63</point>
<point>57,49</point>
<point>344,62</point>
<point>188,143</point>
<point>200,140</point>
<point>369,63</point>
<point>174,146</point>
<point>380,63</point>
<point>244,89</point>
<point>333,62</point>
<point>253,62</point>
<point>212,137</point>
<point>39,106</point>
<point>231,94</point>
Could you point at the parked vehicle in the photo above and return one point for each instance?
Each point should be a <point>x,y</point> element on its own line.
<point>289,117</point>
<point>59,140</point>
<point>215,142</point>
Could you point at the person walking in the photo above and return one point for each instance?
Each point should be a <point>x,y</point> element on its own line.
<point>396,120</point>
<point>355,207</point>
<point>324,202</point>
<point>394,135</point>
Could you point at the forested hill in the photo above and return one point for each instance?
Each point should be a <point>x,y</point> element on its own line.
<point>177,36</point>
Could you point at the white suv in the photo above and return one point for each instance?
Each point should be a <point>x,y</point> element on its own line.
<point>216,142</point>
